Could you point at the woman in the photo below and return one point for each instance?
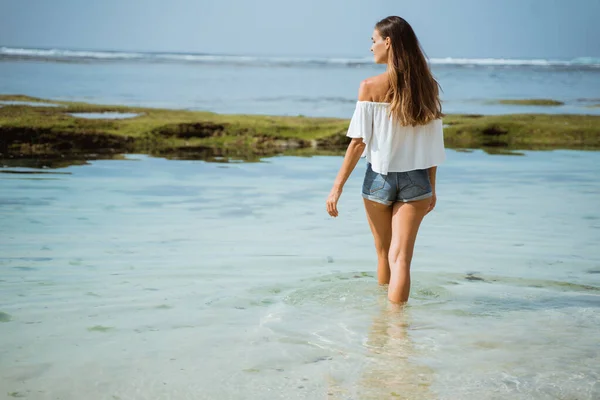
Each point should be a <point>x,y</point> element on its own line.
<point>397,126</point>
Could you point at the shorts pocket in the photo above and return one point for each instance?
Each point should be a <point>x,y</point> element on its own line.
<point>373,182</point>
<point>420,179</point>
<point>377,184</point>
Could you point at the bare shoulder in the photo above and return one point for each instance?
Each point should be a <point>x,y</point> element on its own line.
<point>373,88</point>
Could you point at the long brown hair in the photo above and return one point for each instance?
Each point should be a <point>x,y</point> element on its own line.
<point>413,93</point>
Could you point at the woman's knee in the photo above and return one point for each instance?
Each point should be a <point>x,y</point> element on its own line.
<point>397,255</point>
<point>382,253</point>
<point>382,248</point>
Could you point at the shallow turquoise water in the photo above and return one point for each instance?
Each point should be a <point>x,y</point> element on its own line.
<point>148,278</point>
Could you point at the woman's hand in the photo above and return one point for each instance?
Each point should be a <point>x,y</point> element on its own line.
<point>332,200</point>
<point>432,203</point>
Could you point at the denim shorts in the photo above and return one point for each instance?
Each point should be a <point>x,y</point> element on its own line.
<point>396,186</point>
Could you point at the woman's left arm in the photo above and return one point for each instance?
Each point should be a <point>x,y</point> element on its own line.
<point>353,153</point>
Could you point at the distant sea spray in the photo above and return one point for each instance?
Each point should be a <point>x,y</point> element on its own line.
<point>90,56</point>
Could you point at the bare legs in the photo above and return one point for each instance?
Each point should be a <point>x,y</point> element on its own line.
<point>406,219</point>
<point>380,221</point>
<point>395,231</point>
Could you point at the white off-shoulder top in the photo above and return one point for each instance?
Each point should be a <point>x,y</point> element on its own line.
<point>391,147</point>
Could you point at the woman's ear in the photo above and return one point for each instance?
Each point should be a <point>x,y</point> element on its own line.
<point>388,41</point>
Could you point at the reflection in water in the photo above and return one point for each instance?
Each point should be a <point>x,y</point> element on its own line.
<point>196,153</point>
<point>52,162</point>
<point>391,371</point>
<point>201,152</point>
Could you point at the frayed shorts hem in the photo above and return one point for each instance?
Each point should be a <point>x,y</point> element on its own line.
<point>388,202</point>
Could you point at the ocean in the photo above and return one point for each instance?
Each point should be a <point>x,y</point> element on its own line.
<point>286,86</point>
<point>147,278</point>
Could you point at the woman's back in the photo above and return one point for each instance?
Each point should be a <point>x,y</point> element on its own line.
<point>391,147</point>
<point>374,88</point>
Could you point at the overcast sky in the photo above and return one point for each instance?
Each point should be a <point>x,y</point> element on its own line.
<point>446,28</point>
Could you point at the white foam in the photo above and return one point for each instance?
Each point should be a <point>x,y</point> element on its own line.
<point>60,54</point>
<point>57,53</point>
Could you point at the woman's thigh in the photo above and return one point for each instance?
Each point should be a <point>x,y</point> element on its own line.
<point>406,220</point>
<point>380,220</point>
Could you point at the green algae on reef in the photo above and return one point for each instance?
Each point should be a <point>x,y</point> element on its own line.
<point>52,133</point>
<point>530,102</point>
<point>100,328</point>
<point>4,317</point>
